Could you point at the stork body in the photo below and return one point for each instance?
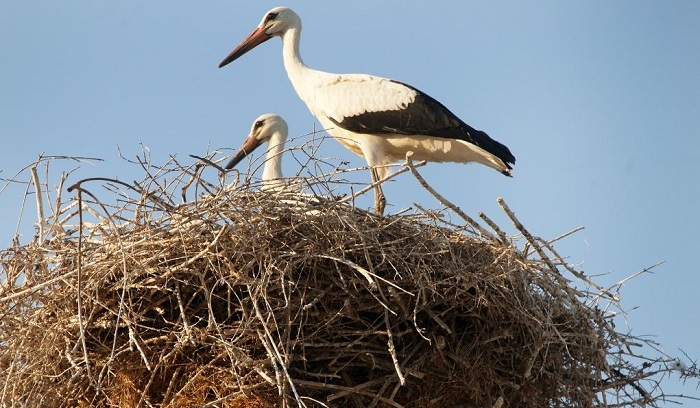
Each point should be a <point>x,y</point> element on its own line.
<point>272,129</point>
<point>377,118</point>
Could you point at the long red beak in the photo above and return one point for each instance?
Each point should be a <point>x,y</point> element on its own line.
<point>257,37</point>
<point>250,144</point>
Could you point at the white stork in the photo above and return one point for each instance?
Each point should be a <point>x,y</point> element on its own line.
<point>272,129</point>
<point>377,118</point>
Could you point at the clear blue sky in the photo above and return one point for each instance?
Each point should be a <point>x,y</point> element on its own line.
<point>599,101</point>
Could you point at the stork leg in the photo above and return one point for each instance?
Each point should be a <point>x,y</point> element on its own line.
<point>379,199</point>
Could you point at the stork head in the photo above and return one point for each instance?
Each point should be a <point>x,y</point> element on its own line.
<point>274,23</point>
<point>265,127</point>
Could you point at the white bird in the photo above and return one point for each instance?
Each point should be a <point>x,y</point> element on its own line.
<point>377,118</point>
<point>272,129</point>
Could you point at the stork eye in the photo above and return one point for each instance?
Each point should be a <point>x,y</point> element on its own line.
<point>271,16</point>
<point>258,124</point>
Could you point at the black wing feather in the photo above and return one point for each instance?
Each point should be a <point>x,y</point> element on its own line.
<point>424,116</point>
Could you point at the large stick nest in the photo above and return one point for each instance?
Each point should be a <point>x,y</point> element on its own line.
<point>247,298</point>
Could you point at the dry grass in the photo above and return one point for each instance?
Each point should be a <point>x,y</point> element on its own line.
<point>242,298</point>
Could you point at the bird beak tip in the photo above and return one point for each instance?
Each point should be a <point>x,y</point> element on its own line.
<point>247,148</point>
<point>257,37</point>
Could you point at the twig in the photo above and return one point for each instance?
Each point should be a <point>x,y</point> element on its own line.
<point>364,272</point>
<point>527,235</point>
<point>622,282</point>
<point>501,235</point>
<point>576,273</point>
<point>39,202</point>
<point>209,162</point>
<point>79,261</point>
<point>566,234</point>
<point>193,177</point>
<point>444,201</point>
<point>183,315</point>
<point>392,349</point>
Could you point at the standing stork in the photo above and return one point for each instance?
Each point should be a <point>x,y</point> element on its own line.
<point>268,128</point>
<point>379,119</point>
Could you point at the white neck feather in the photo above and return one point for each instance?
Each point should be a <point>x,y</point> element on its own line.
<point>273,160</point>
<point>302,77</point>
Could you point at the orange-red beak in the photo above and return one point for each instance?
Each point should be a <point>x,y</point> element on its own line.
<point>250,144</point>
<point>257,37</point>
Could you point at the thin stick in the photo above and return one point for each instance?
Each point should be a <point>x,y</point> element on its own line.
<point>527,235</point>
<point>444,201</point>
<point>566,234</point>
<point>209,162</point>
<point>494,227</point>
<point>577,273</point>
<point>622,282</point>
<point>392,349</point>
<point>81,324</point>
<point>39,202</point>
<point>193,177</point>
